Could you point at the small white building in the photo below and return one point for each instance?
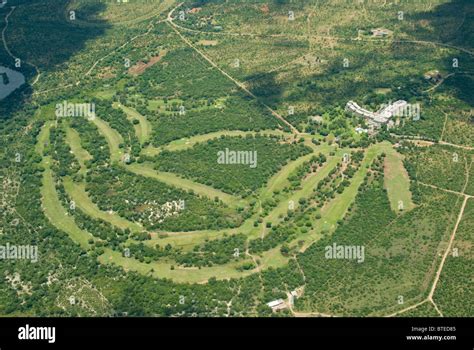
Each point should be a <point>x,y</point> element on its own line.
<point>381,32</point>
<point>276,305</point>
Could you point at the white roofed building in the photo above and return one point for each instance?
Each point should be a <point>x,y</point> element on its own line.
<point>277,304</point>
<point>393,109</point>
<point>379,118</point>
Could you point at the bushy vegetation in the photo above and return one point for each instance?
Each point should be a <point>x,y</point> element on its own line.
<point>105,232</point>
<point>92,141</point>
<point>201,162</point>
<point>424,310</point>
<point>65,163</point>
<point>306,169</point>
<point>398,254</point>
<point>216,252</point>
<point>117,120</point>
<point>154,204</point>
<point>452,295</point>
<point>283,63</point>
<point>441,166</point>
<point>237,113</point>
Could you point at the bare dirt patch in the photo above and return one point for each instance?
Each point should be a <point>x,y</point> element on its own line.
<point>421,143</point>
<point>195,10</point>
<point>207,42</point>
<point>141,66</point>
<point>265,8</point>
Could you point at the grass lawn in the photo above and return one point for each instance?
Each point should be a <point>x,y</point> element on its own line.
<point>55,212</point>
<point>113,139</point>
<point>104,94</point>
<point>333,211</point>
<point>337,208</point>
<point>280,180</point>
<point>397,182</point>
<point>143,128</point>
<point>51,204</point>
<point>188,142</point>
<point>179,274</point>
<point>172,179</point>
<point>307,188</point>
<point>74,141</point>
<point>78,193</point>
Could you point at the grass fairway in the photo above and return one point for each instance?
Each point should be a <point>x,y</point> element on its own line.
<point>55,212</point>
<point>58,216</point>
<point>397,182</point>
<point>143,128</point>
<point>187,240</point>
<point>79,195</point>
<point>332,212</point>
<point>113,139</point>
<point>179,274</point>
<point>278,181</point>
<point>174,180</point>
<point>337,208</point>
<point>43,137</point>
<point>74,141</point>
<point>51,204</point>
<point>307,188</point>
<point>188,142</point>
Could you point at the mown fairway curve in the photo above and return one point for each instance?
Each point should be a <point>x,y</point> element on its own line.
<point>332,212</point>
